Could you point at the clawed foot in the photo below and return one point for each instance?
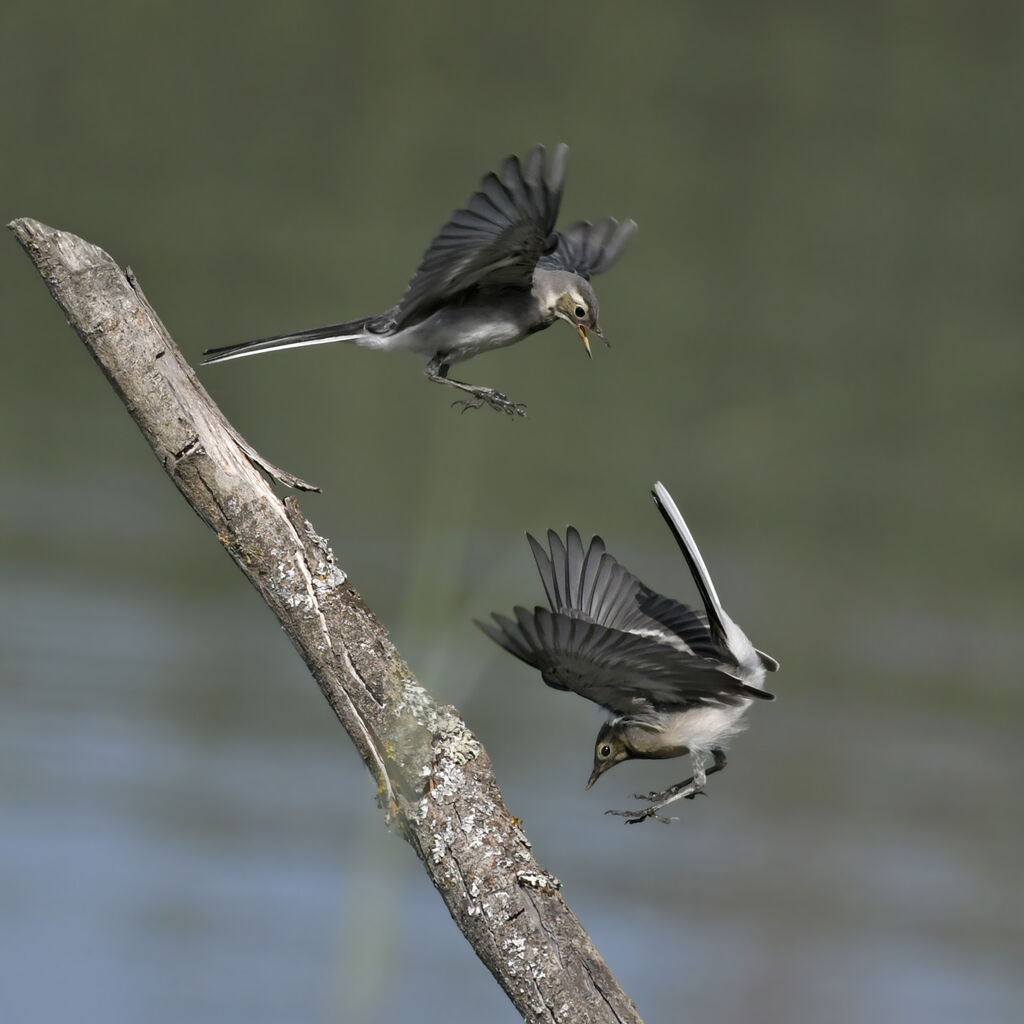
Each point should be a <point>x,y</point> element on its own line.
<point>682,791</point>
<point>438,373</point>
<point>685,790</point>
<point>635,817</point>
<point>495,399</point>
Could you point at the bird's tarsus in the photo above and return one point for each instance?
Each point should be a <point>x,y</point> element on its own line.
<point>685,790</point>
<point>653,797</point>
<point>675,791</point>
<point>438,372</point>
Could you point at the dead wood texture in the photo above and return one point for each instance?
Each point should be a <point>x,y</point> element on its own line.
<point>434,780</point>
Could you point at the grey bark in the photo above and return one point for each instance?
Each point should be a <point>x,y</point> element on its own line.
<point>433,778</point>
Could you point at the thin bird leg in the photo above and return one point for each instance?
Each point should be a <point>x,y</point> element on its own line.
<point>699,779</point>
<point>438,372</point>
<point>687,789</point>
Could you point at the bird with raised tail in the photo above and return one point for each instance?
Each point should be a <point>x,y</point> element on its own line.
<point>496,273</point>
<point>674,680</point>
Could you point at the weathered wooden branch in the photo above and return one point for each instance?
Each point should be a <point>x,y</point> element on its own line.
<point>434,780</point>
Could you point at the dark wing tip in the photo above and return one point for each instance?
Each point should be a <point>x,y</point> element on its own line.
<point>556,167</point>
<point>489,628</point>
<point>556,544</point>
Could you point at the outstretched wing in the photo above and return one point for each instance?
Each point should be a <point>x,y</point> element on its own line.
<point>587,249</point>
<point>496,240</point>
<point>610,667</point>
<point>593,585</point>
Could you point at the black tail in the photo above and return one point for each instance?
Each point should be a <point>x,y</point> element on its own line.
<point>353,330</point>
<point>674,519</point>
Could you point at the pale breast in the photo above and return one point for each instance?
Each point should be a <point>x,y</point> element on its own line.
<point>703,728</point>
<point>460,332</point>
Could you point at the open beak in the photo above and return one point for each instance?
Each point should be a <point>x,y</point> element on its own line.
<point>585,339</point>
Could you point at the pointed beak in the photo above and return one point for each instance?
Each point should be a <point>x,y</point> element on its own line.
<point>585,339</point>
<point>594,776</point>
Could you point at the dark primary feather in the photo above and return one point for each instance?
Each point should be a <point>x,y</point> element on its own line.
<point>610,638</point>
<point>496,240</point>
<point>611,667</point>
<point>595,586</point>
<point>587,249</point>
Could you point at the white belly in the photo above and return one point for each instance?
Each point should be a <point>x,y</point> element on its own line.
<point>701,729</point>
<point>459,333</point>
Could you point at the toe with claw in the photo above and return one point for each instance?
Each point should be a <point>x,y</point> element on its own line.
<point>635,817</point>
<point>478,395</point>
<point>495,399</point>
<point>688,789</point>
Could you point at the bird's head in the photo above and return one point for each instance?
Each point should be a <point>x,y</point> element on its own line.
<point>609,749</point>
<point>571,298</point>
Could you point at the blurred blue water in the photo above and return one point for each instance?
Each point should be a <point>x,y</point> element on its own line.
<point>188,839</point>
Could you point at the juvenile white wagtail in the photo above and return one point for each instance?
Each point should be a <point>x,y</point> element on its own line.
<point>497,272</point>
<point>674,681</point>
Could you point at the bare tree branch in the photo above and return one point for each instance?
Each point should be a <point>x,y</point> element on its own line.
<point>434,780</point>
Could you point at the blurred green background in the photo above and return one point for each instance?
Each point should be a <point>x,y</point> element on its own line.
<point>817,347</point>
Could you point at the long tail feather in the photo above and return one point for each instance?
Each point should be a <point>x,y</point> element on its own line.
<point>351,331</point>
<point>673,517</point>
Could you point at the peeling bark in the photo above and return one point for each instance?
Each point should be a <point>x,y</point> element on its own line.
<point>433,778</point>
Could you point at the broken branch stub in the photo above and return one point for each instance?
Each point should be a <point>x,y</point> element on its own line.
<point>433,777</point>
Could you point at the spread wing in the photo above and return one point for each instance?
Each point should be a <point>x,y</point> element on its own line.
<point>587,249</point>
<point>592,585</point>
<point>496,240</point>
<point>610,667</point>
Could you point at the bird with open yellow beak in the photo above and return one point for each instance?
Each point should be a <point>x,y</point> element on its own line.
<point>497,272</point>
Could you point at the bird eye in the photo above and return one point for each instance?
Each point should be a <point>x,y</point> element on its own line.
<point>580,312</point>
<point>606,751</point>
